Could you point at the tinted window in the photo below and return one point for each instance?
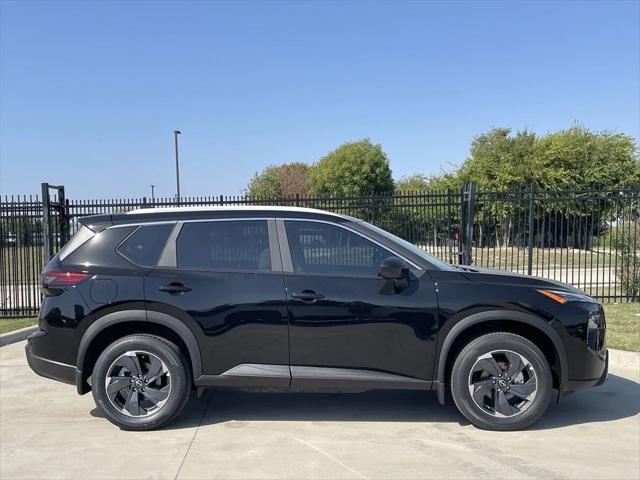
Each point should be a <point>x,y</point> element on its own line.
<point>410,246</point>
<point>227,245</point>
<point>80,237</point>
<point>144,246</point>
<point>324,248</point>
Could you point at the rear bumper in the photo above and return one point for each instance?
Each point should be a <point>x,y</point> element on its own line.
<point>46,367</point>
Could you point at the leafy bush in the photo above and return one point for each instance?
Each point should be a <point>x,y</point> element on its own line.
<point>628,268</point>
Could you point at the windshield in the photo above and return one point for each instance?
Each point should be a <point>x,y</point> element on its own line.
<point>411,247</point>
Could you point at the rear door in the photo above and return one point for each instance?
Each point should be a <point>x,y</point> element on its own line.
<point>224,278</point>
<point>346,328</point>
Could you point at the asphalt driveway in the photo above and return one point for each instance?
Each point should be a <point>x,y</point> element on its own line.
<point>47,431</point>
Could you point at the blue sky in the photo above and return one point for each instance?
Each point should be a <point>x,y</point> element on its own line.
<point>90,92</point>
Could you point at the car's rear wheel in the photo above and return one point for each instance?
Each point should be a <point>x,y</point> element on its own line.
<point>141,382</point>
<point>501,381</point>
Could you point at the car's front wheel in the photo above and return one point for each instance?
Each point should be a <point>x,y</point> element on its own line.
<point>141,382</point>
<point>501,381</point>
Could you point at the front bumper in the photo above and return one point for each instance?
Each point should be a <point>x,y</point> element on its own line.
<point>46,367</point>
<point>572,385</point>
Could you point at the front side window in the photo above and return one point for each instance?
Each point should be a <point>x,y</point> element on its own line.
<point>224,245</point>
<point>329,249</point>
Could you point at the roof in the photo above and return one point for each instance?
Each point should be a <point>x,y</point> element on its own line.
<point>233,208</point>
<point>144,215</point>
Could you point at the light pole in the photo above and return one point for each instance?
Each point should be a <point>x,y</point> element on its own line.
<point>153,197</point>
<point>175,137</point>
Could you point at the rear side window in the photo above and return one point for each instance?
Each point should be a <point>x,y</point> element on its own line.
<point>80,237</point>
<point>225,245</point>
<point>144,246</point>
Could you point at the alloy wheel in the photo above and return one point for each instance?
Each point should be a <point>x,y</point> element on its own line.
<point>138,383</point>
<point>503,383</point>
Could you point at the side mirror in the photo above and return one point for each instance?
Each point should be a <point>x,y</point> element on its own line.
<point>394,268</point>
<point>396,271</point>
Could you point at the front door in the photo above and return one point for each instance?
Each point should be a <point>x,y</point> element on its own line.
<point>346,328</point>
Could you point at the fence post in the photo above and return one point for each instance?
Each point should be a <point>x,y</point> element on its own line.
<point>468,212</point>
<point>297,199</point>
<point>532,200</point>
<point>63,219</point>
<point>449,199</point>
<point>46,222</point>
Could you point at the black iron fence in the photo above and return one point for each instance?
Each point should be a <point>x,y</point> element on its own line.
<point>589,239</point>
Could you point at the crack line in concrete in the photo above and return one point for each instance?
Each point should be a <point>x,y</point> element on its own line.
<point>204,412</point>
<point>355,472</point>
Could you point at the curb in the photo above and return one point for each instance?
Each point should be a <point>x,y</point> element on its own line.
<point>16,335</point>
<point>624,359</point>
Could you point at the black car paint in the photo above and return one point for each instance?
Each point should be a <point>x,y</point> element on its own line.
<point>241,317</point>
<point>357,336</point>
<point>356,326</point>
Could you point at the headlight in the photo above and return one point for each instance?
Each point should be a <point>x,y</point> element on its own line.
<point>564,297</point>
<point>596,321</point>
<point>596,328</point>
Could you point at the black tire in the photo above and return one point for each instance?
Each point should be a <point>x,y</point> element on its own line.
<point>491,390</point>
<point>177,382</point>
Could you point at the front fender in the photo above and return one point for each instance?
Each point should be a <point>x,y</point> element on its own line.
<point>451,333</point>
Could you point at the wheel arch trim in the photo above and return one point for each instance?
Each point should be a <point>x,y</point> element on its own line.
<point>493,315</point>
<point>146,316</point>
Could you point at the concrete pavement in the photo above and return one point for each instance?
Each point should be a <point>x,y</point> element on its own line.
<point>47,431</point>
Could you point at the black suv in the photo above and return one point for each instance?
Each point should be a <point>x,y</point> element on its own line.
<point>141,308</point>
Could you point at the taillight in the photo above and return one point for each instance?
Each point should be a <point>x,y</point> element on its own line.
<point>55,278</point>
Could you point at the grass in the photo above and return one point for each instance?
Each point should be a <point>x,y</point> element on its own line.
<point>543,258</point>
<point>623,326</point>
<point>11,324</point>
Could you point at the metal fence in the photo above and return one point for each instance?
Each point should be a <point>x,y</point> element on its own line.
<point>589,239</point>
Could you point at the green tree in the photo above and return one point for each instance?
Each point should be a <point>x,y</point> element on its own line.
<point>419,182</point>
<point>412,183</point>
<point>293,179</point>
<point>499,160</point>
<point>572,159</point>
<point>354,168</point>
<point>265,183</point>
<point>276,181</point>
<point>578,158</point>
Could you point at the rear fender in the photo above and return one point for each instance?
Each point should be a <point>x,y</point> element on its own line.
<point>152,317</point>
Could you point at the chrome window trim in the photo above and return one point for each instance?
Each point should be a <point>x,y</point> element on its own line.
<point>140,224</point>
<point>285,242</point>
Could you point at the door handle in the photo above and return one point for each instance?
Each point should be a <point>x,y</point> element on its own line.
<point>174,288</point>
<point>307,295</point>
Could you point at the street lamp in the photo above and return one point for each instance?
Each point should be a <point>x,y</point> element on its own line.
<point>153,197</point>
<point>175,137</point>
